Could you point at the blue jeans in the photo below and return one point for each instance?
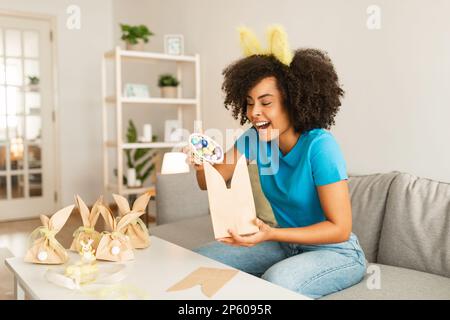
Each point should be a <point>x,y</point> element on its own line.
<point>312,270</point>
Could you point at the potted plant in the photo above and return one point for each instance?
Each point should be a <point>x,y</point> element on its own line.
<point>33,83</point>
<point>140,162</point>
<point>168,84</point>
<point>135,36</point>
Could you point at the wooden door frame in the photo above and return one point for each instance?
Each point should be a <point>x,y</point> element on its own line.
<point>55,98</point>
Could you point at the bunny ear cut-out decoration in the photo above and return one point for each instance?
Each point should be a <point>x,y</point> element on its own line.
<point>44,248</point>
<point>232,208</point>
<point>135,229</point>
<point>115,245</point>
<point>87,230</point>
<point>122,204</point>
<point>278,44</point>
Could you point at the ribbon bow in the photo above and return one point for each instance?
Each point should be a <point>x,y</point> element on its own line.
<point>48,235</point>
<point>83,229</point>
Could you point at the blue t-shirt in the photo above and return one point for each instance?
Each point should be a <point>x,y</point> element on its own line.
<point>289,181</point>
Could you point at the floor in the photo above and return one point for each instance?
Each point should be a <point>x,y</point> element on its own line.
<point>14,242</point>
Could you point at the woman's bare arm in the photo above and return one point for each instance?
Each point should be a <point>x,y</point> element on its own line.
<point>336,204</point>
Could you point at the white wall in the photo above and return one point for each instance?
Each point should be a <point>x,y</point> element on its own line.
<point>79,97</point>
<point>395,114</point>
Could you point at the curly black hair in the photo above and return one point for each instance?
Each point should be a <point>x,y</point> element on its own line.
<point>309,87</point>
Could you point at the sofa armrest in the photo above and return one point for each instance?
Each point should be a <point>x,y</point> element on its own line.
<point>178,197</point>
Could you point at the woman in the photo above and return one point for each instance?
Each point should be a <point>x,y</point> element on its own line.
<point>290,103</point>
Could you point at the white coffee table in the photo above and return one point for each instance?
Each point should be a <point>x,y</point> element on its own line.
<point>154,270</point>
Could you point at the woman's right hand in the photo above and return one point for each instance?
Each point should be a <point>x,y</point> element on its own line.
<point>191,160</point>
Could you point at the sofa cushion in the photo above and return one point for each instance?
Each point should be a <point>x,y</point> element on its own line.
<point>188,233</point>
<point>397,283</point>
<point>368,196</point>
<point>179,197</point>
<point>416,228</point>
<point>262,205</point>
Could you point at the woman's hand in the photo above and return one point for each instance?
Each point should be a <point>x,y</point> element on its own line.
<point>262,235</point>
<point>191,160</point>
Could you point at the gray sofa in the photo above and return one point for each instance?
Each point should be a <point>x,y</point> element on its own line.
<point>402,222</point>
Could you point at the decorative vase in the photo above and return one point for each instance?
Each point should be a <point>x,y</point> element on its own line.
<point>135,47</point>
<point>147,132</point>
<point>131,177</point>
<point>33,87</point>
<point>169,92</point>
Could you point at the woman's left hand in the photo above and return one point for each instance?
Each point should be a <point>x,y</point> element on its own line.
<point>249,241</point>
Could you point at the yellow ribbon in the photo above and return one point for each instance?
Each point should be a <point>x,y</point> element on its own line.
<point>83,229</point>
<point>117,235</point>
<point>43,232</point>
<point>49,235</point>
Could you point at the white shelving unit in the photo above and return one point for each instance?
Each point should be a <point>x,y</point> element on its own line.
<point>118,56</point>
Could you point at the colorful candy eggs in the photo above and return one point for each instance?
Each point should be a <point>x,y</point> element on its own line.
<point>205,149</point>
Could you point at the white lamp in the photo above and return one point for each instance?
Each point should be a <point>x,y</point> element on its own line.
<point>174,162</point>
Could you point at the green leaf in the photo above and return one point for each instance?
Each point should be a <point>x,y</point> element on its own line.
<point>129,162</point>
<point>142,164</point>
<point>132,34</point>
<point>139,153</point>
<point>168,80</point>
<point>138,158</point>
<point>131,132</point>
<point>147,172</point>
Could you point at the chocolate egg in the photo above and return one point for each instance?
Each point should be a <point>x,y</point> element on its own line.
<point>194,140</point>
<point>218,152</point>
<point>198,146</point>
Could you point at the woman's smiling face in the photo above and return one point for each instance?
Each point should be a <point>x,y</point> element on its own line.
<point>266,111</point>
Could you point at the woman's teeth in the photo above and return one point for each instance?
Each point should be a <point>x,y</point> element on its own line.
<point>262,124</point>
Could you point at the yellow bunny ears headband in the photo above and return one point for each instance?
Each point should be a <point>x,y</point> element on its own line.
<point>278,44</point>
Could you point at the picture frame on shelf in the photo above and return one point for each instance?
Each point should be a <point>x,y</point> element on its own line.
<point>135,90</point>
<point>173,131</point>
<point>174,44</point>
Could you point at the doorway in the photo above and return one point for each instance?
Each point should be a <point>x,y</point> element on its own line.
<point>27,120</point>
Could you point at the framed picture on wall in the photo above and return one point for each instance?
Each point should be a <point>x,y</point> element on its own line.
<point>133,90</point>
<point>173,131</point>
<point>174,44</point>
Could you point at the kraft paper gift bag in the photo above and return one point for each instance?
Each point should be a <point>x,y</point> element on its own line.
<point>44,248</point>
<point>232,208</point>
<point>136,230</point>
<point>87,230</point>
<point>115,245</point>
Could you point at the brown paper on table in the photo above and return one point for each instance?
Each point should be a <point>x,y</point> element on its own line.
<point>114,245</point>
<point>211,280</point>
<point>136,230</point>
<point>87,230</point>
<point>232,208</point>
<point>44,248</point>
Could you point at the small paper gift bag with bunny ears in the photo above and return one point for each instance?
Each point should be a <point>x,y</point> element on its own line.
<point>44,248</point>
<point>115,245</point>
<point>86,231</point>
<point>232,208</point>
<point>136,229</point>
